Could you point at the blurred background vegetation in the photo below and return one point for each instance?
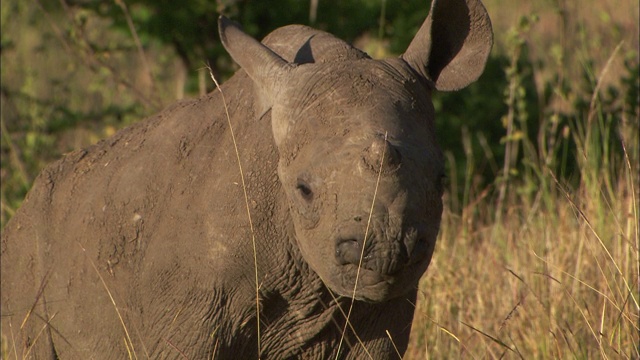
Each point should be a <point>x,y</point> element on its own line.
<point>551,125</point>
<point>75,71</point>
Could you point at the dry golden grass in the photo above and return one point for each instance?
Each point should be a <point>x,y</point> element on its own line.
<point>555,273</point>
<point>555,282</point>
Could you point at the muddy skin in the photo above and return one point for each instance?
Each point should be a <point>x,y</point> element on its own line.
<point>141,244</point>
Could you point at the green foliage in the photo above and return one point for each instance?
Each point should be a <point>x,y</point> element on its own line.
<point>60,91</point>
<point>507,117</point>
<point>191,26</point>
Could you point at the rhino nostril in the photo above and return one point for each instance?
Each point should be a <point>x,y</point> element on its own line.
<point>416,242</point>
<point>348,252</point>
<point>304,190</point>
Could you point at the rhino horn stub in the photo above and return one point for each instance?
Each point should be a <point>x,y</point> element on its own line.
<point>266,68</point>
<point>453,44</point>
<point>381,155</point>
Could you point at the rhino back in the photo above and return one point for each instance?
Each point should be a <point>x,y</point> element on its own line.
<point>154,218</point>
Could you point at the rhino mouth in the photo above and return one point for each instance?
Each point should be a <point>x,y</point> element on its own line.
<point>380,252</point>
<point>378,260</point>
<point>365,277</point>
<point>372,286</point>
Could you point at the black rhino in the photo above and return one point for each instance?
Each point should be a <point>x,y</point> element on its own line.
<point>141,246</point>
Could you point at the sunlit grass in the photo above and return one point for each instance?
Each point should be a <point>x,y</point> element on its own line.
<point>553,272</point>
<point>546,282</point>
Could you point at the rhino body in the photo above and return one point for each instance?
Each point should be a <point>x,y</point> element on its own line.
<point>141,245</point>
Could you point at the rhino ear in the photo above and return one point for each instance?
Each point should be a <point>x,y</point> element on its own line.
<point>269,72</point>
<point>266,68</point>
<point>453,44</point>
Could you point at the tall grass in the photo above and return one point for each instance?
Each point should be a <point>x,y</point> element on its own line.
<point>557,277</point>
<point>539,265</point>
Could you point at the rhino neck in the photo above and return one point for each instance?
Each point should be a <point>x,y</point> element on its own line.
<point>301,317</point>
<point>294,280</point>
<point>296,306</point>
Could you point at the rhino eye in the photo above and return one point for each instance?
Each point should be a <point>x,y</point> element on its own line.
<point>304,190</point>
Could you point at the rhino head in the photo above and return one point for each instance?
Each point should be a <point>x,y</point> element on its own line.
<point>358,156</point>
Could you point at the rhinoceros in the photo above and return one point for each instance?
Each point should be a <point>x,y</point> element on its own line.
<point>164,241</point>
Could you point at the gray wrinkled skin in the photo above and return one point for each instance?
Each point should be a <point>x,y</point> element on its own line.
<point>141,244</point>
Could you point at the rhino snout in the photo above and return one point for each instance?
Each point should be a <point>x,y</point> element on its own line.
<point>382,254</point>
